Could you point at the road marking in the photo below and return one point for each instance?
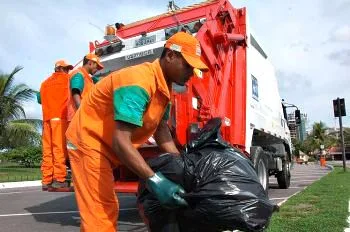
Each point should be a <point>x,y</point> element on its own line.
<point>33,191</point>
<point>131,223</point>
<point>313,173</point>
<point>278,198</point>
<point>21,192</point>
<point>48,213</point>
<point>305,174</point>
<point>7,185</point>
<point>303,178</point>
<point>301,181</point>
<point>298,181</point>
<point>42,213</point>
<point>77,218</point>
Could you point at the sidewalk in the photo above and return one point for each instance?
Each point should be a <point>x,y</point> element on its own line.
<point>21,184</point>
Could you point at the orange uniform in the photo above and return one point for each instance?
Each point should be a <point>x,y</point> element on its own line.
<point>138,95</point>
<point>79,79</point>
<point>54,98</point>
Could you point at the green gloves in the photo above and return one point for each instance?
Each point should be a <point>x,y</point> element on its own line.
<point>166,191</point>
<point>38,96</point>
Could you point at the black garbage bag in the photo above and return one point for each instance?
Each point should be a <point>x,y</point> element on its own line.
<point>222,188</point>
<point>157,218</point>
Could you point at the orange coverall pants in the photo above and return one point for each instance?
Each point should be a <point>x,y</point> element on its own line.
<point>53,165</point>
<point>94,191</point>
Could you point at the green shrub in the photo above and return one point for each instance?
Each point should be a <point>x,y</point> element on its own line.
<point>25,156</point>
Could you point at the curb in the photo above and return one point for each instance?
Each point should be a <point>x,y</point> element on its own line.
<point>7,185</point>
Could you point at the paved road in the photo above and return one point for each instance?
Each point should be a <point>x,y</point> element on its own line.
<point>302,176</point>
<point>30,209</point>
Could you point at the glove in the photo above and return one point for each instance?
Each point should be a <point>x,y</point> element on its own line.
<point>166,191</point>
<point>38,96</point>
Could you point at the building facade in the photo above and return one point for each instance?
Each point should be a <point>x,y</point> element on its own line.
<point>297,132</point>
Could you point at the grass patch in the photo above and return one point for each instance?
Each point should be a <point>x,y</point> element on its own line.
<point>10,172</point>
<point>323,206</point>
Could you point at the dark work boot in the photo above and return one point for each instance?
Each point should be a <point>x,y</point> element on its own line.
<point>57,184</point>
<point>45,187</point>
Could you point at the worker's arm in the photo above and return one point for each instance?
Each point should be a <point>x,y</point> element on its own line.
<point>127,153</point>
<point>163,136</point>
<point>164,139</point>
<point>76,88</point>
<point>167,192</point>
<point>76,97</point>
<point>130,103</point>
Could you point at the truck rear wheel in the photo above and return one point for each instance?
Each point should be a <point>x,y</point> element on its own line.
<point>261,166</point>
<point>262,171</point>
<point>283,177</point>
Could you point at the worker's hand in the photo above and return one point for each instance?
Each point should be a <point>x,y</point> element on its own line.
<point>166,191</point>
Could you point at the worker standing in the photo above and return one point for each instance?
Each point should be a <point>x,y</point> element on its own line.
<point>81,82</point>
<point>121,113</point>
<point>53,97</point>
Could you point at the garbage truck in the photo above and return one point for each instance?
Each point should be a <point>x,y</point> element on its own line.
<point>240,87</point>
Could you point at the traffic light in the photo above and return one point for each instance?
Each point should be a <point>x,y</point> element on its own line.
<point>339,109</point>
<point>297,117</point>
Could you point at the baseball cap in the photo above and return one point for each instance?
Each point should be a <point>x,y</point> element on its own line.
<point>189,47</point>
<point>94,58</point>
<point>62,63</point>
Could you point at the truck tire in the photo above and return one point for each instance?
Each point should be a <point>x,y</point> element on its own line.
<point>261,166</point>
<point>283,177</point>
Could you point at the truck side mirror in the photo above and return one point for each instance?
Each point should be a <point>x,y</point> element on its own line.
<point>297,117</point>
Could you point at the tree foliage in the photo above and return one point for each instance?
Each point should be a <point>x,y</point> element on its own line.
<point>25,156</point>
<point>15,129</point>
<point>318,137</point>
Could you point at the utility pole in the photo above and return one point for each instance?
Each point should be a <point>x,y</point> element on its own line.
<point>339,111</point>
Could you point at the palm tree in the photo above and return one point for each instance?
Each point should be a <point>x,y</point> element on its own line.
<point>346,133</point>
<point>15,129</point>
<point>318,134</point>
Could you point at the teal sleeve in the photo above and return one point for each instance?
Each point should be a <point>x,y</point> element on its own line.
<point>77,82</point>
<point>38,97</point>
<point>130,102</point>
<point>167,112</point>
<point>95,79</point>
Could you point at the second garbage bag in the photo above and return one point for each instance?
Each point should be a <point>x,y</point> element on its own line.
<point>222,188</point>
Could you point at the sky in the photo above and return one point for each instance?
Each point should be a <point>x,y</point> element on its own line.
<point>308,42</point>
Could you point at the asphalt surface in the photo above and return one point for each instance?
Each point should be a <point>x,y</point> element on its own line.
<point>30,209</point>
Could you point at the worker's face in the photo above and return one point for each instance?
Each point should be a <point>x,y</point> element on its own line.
<point>62,69</point>
<point>177,70</point>
<point>92,67</point>
<point>65,70</point>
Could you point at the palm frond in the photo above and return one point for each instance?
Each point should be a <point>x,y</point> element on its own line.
<point>22,133</point>
<point>21,93</point>
<point>9,79</point>
<point>11,109</point>
<point>37,123</point>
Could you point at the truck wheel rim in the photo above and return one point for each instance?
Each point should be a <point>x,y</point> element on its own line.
<point>262,173</point>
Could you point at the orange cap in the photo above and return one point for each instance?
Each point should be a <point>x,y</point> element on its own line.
<point>62,63</point>
<point>189,47</point>
<point>94,58</point>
